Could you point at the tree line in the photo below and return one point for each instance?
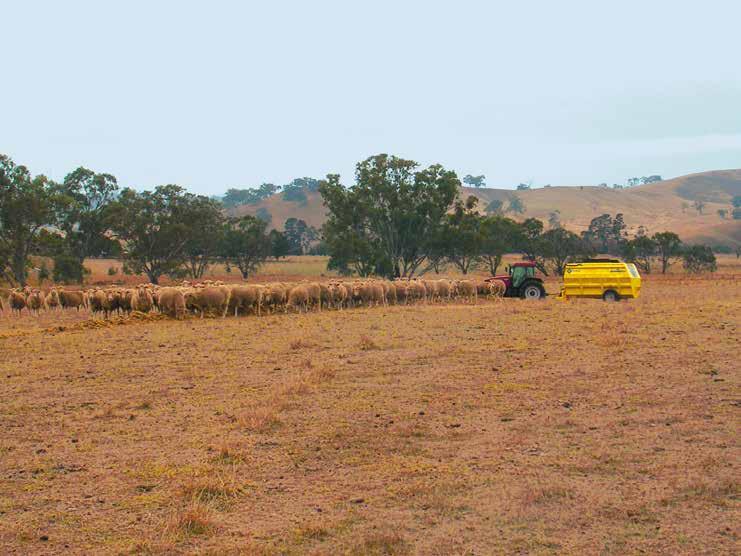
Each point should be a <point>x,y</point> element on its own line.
<point>294,191</point>
<point>165,231</point>
<point>399,219</point>
<point>396,220</point>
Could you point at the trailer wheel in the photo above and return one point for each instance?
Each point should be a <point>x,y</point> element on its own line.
<point>533,291</point>
<point>610,295</point>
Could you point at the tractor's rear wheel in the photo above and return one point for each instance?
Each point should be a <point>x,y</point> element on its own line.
<point>533,291</point>
<point>610,295</point>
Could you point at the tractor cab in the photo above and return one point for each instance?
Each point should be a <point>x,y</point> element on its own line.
<point>521,281</point>
<point>519,272</point>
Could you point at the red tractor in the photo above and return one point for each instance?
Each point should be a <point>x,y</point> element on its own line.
<point>521,281</point>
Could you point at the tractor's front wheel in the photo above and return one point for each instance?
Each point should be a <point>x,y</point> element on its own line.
<point>533,291</point>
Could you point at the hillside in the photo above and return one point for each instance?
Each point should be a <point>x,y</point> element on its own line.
<point>660,206</point>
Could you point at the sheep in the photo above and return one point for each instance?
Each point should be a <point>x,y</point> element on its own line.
<point>379,296</point>
<point>275,297</point>
<point>402,292</point>
<point>482,287</point>
<point>444,290</point>
<point>416,290</point>
<point>245,297</point>
<point>326,295</point>
<point>467,290</point>
<point>125,298</point>
<point>72,299</point>
<point>339,293</point>
<point>17,302</point>
<point>389,292</point>
<point>497,289</point>
<point>35,301</point>
<point>171,302</point>
<point>142,300</point>
<point>315,295</point>
<point>100,302</point>
<point>209,298</point>
<point>298,297</point>
<point>52,299</point>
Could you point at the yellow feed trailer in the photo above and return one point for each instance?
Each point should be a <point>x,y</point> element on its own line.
<point>608,279</point>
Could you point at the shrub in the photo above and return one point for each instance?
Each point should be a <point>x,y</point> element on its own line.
<point>68,269</point>
<point>699,258</point>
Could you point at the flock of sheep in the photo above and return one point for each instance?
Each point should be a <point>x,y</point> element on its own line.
<point>219,299</point>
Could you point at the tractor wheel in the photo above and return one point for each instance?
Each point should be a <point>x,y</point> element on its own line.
<point>533,291</point>
<point>610,295</point>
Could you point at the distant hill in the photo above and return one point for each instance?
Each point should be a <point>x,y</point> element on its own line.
<point>660,206</point>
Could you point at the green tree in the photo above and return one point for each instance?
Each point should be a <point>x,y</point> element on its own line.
<point>499,236</point>
<point>462,233</point>
<point>531,244</point>
<point>668,249</point>
<point>390,214</point>
<point>264,214</point>
<point>245,244</point>
<point>204,235</point>
<point>554,219</point>
<point>723,213</point>
<point>494,207</point>
<point>27,205</point>
<point>154,228</point>
<point>699,258</point>
<point>699,206</point>
<point>559,246</point>
<point>736,201</point>
<point>515,206</point>
<point>296,190</point>
<point>475,181</point>
<point>84,216</point>
<point>237,197</point>
<point>299,235</point>
<point>279,244</point>
<point>67,268</point>
<point>640,250</point>
<point>605,233</point>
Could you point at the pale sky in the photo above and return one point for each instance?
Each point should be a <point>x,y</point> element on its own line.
<point>217,94</point>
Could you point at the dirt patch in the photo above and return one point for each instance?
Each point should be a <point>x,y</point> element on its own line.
<point>510,427</point>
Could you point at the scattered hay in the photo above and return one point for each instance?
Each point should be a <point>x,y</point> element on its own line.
<point>367,344</point>
<point>93,324</point>
<point>299,344</point>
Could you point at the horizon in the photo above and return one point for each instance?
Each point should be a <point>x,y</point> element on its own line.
<point>232,96</point>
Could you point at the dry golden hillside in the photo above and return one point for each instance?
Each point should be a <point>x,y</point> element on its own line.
<point>666,205</point>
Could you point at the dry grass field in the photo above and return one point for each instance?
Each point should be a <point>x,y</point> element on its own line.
<point>501,427</point>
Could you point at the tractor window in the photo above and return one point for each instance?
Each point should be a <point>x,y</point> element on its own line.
<point>518,275</point>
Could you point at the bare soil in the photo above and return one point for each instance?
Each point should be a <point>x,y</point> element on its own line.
<point>500,427</point>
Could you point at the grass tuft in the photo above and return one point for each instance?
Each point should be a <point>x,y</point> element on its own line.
<point>367,344</point>
<point>194,520</point>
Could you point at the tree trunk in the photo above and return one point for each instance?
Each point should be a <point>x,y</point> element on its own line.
<point>19,269</point>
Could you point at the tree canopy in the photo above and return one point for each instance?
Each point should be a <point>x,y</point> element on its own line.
<point>28,204</point>
<point>386,219</point>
